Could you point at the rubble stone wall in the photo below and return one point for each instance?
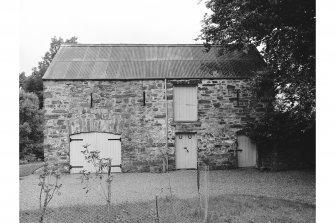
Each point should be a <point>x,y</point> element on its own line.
<point>117,107</point>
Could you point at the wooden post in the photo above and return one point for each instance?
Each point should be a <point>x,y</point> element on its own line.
<point>166,130</point>
<point>109,188</point>
<point>157,213</point>
<point>206,192</point>
<point>198,177</point>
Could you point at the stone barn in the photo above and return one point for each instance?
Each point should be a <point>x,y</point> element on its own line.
<point>150,106</point>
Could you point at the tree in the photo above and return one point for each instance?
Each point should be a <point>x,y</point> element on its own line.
<point>285,30</point>
<point>34,82</point>
<point>49,183</point>
<point>31,130</point>
<point>31,103</point>
<point>101,165</point>
<point>22,78</point>
<point>49,55</point>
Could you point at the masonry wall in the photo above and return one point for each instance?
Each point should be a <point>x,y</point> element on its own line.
<point>118,108</point>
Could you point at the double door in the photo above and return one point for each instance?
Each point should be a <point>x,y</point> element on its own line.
<point>108,144</point>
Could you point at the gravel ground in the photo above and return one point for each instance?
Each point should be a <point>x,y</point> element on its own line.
<point>132,187</point>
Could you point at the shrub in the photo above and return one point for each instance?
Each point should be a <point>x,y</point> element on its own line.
<point>31,126</point>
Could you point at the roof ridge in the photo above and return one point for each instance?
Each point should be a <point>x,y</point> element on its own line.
<point>131,44</point>
<point>160,60</point>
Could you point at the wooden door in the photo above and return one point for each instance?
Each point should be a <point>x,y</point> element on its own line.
<point>247,152</point>
<point>77,160</point>
<point>113,145</point>
<point>76,157</point>
<point>108,144</point>
<point>185,103</point>
<point>186,151</point>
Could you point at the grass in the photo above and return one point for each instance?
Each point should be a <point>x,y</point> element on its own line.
<point>27,169</point>
<point>227,208</point>
<point>241,208</point>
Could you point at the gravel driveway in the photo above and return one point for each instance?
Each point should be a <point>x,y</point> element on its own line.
<point>131,187</point>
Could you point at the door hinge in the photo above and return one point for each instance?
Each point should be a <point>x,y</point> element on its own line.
<point>75,140</point>
<point>114,139</point>
<point>71,167</point>
<point>76,166</point>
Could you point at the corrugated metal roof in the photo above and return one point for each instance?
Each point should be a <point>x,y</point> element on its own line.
<point>148,61</point>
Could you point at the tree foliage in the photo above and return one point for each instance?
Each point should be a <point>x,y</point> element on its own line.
<point>49,55</point>
<point>285,31</point>
<point>31,129</point>
<point>31,103</point>
<point>22,79</point>
<point>34,82</point>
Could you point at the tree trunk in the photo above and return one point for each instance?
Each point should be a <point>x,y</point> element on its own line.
<point>164,165</point>
<point>109,189</point>
<point>44,207</point>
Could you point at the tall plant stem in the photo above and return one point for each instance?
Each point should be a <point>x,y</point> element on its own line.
<point>44,207</point>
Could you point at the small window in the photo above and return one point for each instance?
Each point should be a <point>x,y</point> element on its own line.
<point>185,104</point>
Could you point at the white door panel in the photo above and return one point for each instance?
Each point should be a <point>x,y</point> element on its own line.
<point>76,156</point>
<point>247,154</point>
<point>186,151</point>
<point>114,151</point>
<point>97,141</point>
<point>185,103</point>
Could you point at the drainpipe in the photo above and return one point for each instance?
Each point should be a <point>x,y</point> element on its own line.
<point>166,129</point>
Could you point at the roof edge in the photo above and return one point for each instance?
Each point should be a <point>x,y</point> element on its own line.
<point>137,79</point>
<point>132,45</point>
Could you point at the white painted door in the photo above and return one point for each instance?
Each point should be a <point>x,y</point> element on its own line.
<point>247,152</point>
<point>186,151</point>
<point>113,145</point>
<point>185,103</point>
<point>108,144</point>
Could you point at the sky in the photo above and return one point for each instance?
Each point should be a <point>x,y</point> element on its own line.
<point>105,21</point>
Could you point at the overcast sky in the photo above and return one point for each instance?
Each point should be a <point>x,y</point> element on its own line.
<point>105,21</point>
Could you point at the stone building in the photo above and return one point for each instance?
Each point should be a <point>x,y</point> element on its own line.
<point>148,106</point>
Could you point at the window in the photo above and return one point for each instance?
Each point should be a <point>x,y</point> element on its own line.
<point>185,104</point>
